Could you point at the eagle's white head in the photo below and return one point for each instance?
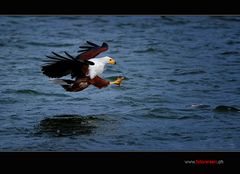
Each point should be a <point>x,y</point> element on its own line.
<point>99,65</point>
<point>106,60</point>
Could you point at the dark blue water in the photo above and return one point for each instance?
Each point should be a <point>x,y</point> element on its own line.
<point>177,69</point>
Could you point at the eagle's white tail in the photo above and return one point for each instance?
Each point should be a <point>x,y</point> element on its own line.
<point>62,81</point>
<point>58,81</point>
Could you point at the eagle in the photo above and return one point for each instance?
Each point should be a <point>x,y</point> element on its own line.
<point>85,69</point>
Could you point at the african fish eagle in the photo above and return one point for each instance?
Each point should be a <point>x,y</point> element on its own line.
<point>85,68</point>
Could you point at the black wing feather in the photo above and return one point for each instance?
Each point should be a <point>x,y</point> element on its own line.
<point>91,50</point>
<point>69,55</point>
<point>87,47</point>
<point>93,44</point>
<point>58,55</point>
<point>79,51</point>
<point>61,66</point>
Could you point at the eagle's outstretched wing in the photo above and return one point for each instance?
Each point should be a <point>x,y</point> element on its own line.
<point>59,66</point>
<point>91,51</point>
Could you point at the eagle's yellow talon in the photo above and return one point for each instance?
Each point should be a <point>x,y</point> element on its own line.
<point>118,81</point>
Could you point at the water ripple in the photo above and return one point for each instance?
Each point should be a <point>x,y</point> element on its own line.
<point>34,93</point>
<point>47,44</point>
<point>68,125</point>
<point>180,72</point>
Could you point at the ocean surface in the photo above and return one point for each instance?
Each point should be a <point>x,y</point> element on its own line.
<point>181,92</point>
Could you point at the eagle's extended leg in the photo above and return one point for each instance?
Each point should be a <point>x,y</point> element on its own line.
<point>101,83</point>
<point>118,81</point>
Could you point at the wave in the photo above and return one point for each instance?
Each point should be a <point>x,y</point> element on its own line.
<point>198,106</point>
<point>169,20</point>
<point>69,17</point>
<point>148,50</point>
<point>232,42</point>
<point>49,44</point>
<point>8,101</point>
<point>230,53</point>
<point>227,18</point>
<point>28,91</point>
<point>224,108</point>
<point>167,113</point>
<point>35,93</point>
<point>180,72</point>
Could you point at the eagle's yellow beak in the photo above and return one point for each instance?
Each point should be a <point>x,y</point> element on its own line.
<point>111,61</point>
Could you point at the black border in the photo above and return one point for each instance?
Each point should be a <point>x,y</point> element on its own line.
<point>160,162</point>
<point>167,7</point>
